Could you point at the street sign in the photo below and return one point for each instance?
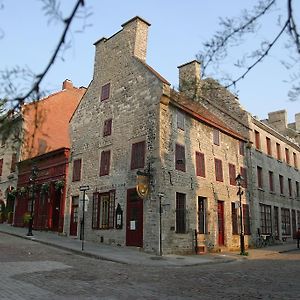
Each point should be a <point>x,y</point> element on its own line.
<point>84,188</point>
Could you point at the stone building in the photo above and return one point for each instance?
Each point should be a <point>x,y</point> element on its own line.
<point>130,125</point>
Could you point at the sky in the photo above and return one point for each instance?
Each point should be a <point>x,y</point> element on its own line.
<point>178,30</point>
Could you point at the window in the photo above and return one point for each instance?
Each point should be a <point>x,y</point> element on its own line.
<point>216,137</point>
<point>138,155</point>
<point>271,181</point>
<point>281,186</point>
<point>276,221</point>
<point>265,219</point>
<point>257,139</point>
<point>13,162</point>
<point>298,218</point>
<point>180,213</point>
<point>278,151</point>
<point>290,187</point>
<point>105,91</point>
<point>243,172</point>
<point>103,210</point>
<point>180,120</point>
<point>287,156</point>
<point>269,146</point>
<point>218,170</point>
<point>1,166</point>
<point>246,219</point>
<point>234,218</point>
<point>259,177</point>
<point>180,158</point>
<point>200,164</point>
<point>295,160</point>
<point>232,174</point>
<point>107,127</point>
<point>297,189</point>
<point>242,147</point>
<point>76,170</point>
<point>285,221</point>
<point>104,163</point>
<point>201,215</point>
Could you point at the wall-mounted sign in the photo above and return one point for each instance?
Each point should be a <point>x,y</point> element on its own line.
<point>142,186</point>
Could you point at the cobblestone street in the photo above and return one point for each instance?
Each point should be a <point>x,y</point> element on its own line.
<point>31,270</point>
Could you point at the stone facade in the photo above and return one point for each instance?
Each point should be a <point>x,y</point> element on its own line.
<point>140,107</point>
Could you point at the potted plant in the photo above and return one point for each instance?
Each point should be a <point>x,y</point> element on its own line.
<point>59,184</point>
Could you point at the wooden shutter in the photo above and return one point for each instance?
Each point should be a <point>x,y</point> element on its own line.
<point>234,219</point>
<point>13,162</point>
<point>200,164</point>
<point>246,219</point>
<point>138,155</point>
<point>105,91</point>
<point>218,169</point>
<point>1,166</point>
<point>111,218</point>
<point>76,170</point>
<point>95,213</point>
<point>107,127</point>
<point>180,213</point>
<point>243,172</point>
<point>105,163</point>
<point>232,174</point>
<point>242,147</point>
<point>180,157</point>
<point>216,137</point>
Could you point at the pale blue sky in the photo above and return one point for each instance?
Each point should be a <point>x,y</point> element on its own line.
<point>178,29</point>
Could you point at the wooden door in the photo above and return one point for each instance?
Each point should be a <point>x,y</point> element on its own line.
<point>134,219</point>
<point>74,216</point>
<point>56,210</point>
<point>221,223</point>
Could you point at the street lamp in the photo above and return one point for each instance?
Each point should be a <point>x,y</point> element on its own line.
<point>239,179</point>
<point>32,178</point>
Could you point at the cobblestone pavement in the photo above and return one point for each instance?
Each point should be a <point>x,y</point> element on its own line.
<point>30,270</point>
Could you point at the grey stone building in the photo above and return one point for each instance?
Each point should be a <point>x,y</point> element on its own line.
<point>131,125</point>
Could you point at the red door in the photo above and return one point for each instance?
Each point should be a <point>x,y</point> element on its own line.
<point>221,223</point>
<point>134,219</point>
<point>56,210</point>
<point>74,216</point>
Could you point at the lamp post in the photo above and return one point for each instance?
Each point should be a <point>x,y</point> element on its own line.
<point>32,178</point>
<point>239,180</point>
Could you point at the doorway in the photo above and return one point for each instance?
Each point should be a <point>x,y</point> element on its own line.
<point>220,223</point>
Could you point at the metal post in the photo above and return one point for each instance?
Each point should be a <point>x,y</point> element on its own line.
<point>33,179</point>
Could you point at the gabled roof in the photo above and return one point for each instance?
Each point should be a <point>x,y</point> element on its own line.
<point>198,111</point>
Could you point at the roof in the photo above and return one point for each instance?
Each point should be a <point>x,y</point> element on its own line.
<point>161,78</point>
<point>201,113</point>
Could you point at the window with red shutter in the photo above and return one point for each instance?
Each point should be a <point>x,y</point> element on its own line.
<point>246,219</point>
<point>278,150</point>
<point>242,147</point>
<point>1,166</point>
<point>200,164</point>
<point>257,139</point>
<point>259,177</point>
<point>234,218</point>
<point>243,172</point>
<point>13,162</point>
<point>290,187</point>
<point>271,181</point>
<point>281,184</point>
<point>138,155</point>
<point>107,127</point>
<point>269,146</point>
<point>287,156</point>
<point>232,174</point>
<point>105,91</point>
<point>76,170</point>
<point>180,158</point>
<point>218,170</point>
<point>216,137</point>
<point>104,163</point>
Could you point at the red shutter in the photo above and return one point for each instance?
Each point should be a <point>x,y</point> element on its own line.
<point>246,219</point>
<point>232,174</point>
<point>243,172</point>
<point>180,157</point>
<point>216,137</point>
<point>76,170</point>
<point>95,213</point>
<point>107,127</point>
<point>218,169</point>
<point>105,163</point>
<point>242,148</point>
<point>1,166</point>
<point>138,155</point>
<point>200,164</point>
<point>13,162</point>
<point>105,91</point>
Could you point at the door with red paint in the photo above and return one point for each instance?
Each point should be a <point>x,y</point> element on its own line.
<point>221,223</point>
<point>74,216</point>
<point>134,219</point>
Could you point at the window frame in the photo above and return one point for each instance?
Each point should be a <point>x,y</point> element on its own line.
<point>77,167</point>
<point>200,164</point>
<point>271,181</point>
<point>180,120</point>
<point>232,174</point>
<point>107,127</point>
<point>216,136</point>
<point>234,219</point>
<point>260,183</point>
<point>278,151</point>
<point>105,92</point>
<point>138,154</point>
<point>180,156</point>
<point>265,219</point>
<point>269,146</point>
<point>105,158</point>
<point>281,184</point>
<point>257,140</point>
<point>180,213</point>
<point>202,211</point>
<point>219,170</point>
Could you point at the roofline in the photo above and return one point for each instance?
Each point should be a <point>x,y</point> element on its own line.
<point>188,63</point>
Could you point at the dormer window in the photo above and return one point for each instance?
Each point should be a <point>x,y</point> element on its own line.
<point>105,91</point>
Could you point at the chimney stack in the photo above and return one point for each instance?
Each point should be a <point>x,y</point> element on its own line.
<point>67,85</point>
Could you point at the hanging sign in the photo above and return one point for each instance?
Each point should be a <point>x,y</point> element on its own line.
<point>142,186</point>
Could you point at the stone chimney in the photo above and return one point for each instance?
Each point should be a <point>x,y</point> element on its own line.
<point>189,79</point>
<point>297,120</point>
<point>278,119</point>
<point>67,85</point>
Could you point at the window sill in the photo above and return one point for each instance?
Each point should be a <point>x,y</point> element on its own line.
<point>282,195</point>
<point>279,160</point>
<point>258,150</point>
<point>272,192</point>
<point>261,189</point>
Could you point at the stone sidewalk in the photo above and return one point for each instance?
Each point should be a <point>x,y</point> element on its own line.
<point>132,255</point>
